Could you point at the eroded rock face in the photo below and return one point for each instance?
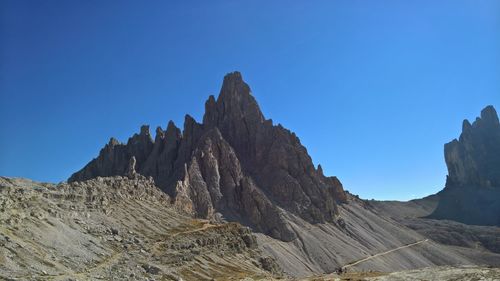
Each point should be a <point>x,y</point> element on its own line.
<point>472,192</point>
<point>235,163</point>
<point>474,159</point>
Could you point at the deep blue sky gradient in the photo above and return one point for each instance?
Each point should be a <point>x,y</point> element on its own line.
<point>372,88</point>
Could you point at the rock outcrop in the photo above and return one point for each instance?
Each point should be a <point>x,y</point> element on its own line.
<point>474,159</point>
<point>236,164</point>
<point>117,228</point>
<point>472,192</point>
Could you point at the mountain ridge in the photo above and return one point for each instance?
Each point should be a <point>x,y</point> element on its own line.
<point>235,164</point>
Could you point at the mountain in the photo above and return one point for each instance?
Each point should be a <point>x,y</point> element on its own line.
<point>466,213</point>
<point>472,191</point>
<point>235,164</point>
<point>171,208</point>
<point>473,160</point>
<point>238,166</point>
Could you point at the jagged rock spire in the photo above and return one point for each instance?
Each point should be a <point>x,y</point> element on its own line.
<point>131,173</point>
<point>489,116</point>
<point>236,163</point>
<point>472,192</point>
<point>474,159</point>
<point>235,101</point>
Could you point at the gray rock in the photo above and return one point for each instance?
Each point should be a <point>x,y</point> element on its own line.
<point>151,269</point>
<point>236,163</point>
<point>474,159</point>
<point>131,173</point>
<point>114,231</point>
<point>472,192</point>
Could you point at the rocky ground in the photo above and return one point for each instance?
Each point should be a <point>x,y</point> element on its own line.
<point>238,166</point>
<point>465,273</point>
<point>443,273</point>
<point>116,229</point>
<point>365,231</point>
<point>482,239</point>
<point>121,228</point>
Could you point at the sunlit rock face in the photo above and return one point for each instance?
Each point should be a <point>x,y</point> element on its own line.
<point>235,163</point>
<point>472,192</point>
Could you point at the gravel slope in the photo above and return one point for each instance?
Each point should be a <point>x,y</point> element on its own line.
<point>115,229</point>
<point>412,214</point>
<point>364,231</point>
<point>127,229</point>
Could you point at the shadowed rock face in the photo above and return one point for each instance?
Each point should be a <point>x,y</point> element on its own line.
<point>235,163</point>
<point>474,159</point>
<point>472,192</point>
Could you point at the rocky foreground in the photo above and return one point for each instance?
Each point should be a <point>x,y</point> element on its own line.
<point>116,229</point>
<point>121,228</point>
<point>465,273</point>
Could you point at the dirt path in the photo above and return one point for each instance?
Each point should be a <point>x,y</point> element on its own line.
<point>157,244</point>
<point>383,253</point>
<point>205,226</point>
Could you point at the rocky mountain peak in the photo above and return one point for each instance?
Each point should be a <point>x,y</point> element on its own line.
<point>172,133</point>
<point>489,116</point>
<point>113,142</point>
<point>233,84</point>
<point>472,191</point>
<point>235,163</point>
<point>235,101</point>
<point>466,125</point>
<point>144,130</point>
<point>474,159</point>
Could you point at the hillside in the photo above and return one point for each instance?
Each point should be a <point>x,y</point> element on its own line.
<point>115,229</point>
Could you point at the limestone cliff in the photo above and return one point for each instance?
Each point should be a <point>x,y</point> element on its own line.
<point>472,192</point>
<point>474,159</point>
<point>236,164</point>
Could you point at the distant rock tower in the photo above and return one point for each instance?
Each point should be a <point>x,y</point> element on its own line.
<point>472,192</point>
<point>474,159</point>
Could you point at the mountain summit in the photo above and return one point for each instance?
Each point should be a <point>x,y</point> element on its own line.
<point>472,192</point>
<point>236,165</point>
<point>474,159</point>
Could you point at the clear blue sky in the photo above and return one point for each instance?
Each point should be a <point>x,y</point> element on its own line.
<point>372,88</point>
